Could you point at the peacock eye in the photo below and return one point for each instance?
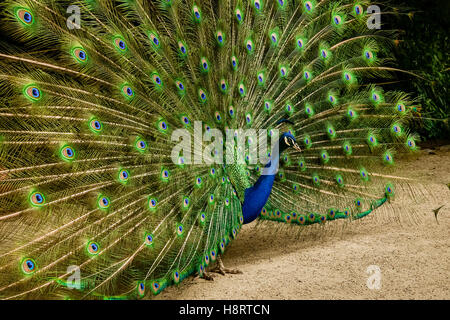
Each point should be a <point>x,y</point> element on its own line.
<point>79,54</point>
<point>67,153</point>
<point>123,176</point>
<point>337,20</point>
<point>197,14</point>
<point>120,44</point>
<point>93,248</point>
<point>25,16</point>
<point>308,6</point>
<point>128,92</point>
<point>37,199</point>
<point>28,266</point>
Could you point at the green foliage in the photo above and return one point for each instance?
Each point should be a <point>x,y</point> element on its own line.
<point>424,49</point>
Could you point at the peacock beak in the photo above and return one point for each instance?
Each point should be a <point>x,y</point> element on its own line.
<point>296,147</point>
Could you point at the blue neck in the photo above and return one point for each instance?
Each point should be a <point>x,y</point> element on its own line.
<point>256,196</point>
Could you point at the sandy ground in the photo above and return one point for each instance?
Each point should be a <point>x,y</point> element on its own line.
<point>412,251</point>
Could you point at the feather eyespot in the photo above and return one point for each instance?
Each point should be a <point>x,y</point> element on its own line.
<point>202,218</point>
<point>156,287</point>
<point>411,144</point>
<point>152,203</point>
<point>300,43</point>
<point>202,95</point>
<point>149,239</point>
<point>33,93</point>
<point>180,87</point>
<point>185,120</point>
<point>186,202</point>
<point>140,145</point>
<point>25,16</point>
<point>372,140</point>
<point>324,156</point>
<point>156,79</point>
<point>180,230</point>
<point>182,48</point>
<point>258,4</point>
<point>248,118</point>
<point>220,38</point>
<point>316,179</point>
<point>368,54</point>
<point>211,199</point>
<point>223,85</point>
<point>324,53</point>
<point>141,289</point>
<point>176,276</point>
<point>154,40</point>
<point>242,90</point>
<point>120,44</point>
<point>388,158</point>
<point>358,9</point>
<point>331,132</point>
<point>401,107</point>
<point>238,15</point>
<point>162,126</point>
<point>339,180</point>
<point>347,77</point>
<point>301,219</point>
<point>389,190</point>
<point>127,91</point>
<point>124,176</point>
<point>351,114</point>
<point>274,38</point>
<point>331,213</point>
<point>67,153</point>
<point>364,174</point>
<point>95,125</point>
<point>37,199</point>
<point>234,62</point>
<point>306,75</point>
<point>217,116</point>
<point>332,99</point>
<point>103,202</point>
<point>28,266</point>
<point>249,45</point>
<point>308,6</point>
<point>165,174</point>
<point>93,248</point>
<point>312,217</point>
<point>396,129</point>
<point>283,72</point>
<point>347,148</point>
<point>79,54</point>
<point>337,19</point>
<point>197,14</point>
<point>204,64</point>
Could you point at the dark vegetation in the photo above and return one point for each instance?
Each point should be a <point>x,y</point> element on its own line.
<point>424,49</point>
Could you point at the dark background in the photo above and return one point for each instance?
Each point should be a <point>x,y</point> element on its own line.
<point>424,50</point>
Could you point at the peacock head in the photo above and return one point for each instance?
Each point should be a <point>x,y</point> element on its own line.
<point>287,140</point>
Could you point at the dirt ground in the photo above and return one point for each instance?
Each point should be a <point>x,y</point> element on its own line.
<point>412,251</point>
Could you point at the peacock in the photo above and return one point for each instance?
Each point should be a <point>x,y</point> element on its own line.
<point>137,137</point>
